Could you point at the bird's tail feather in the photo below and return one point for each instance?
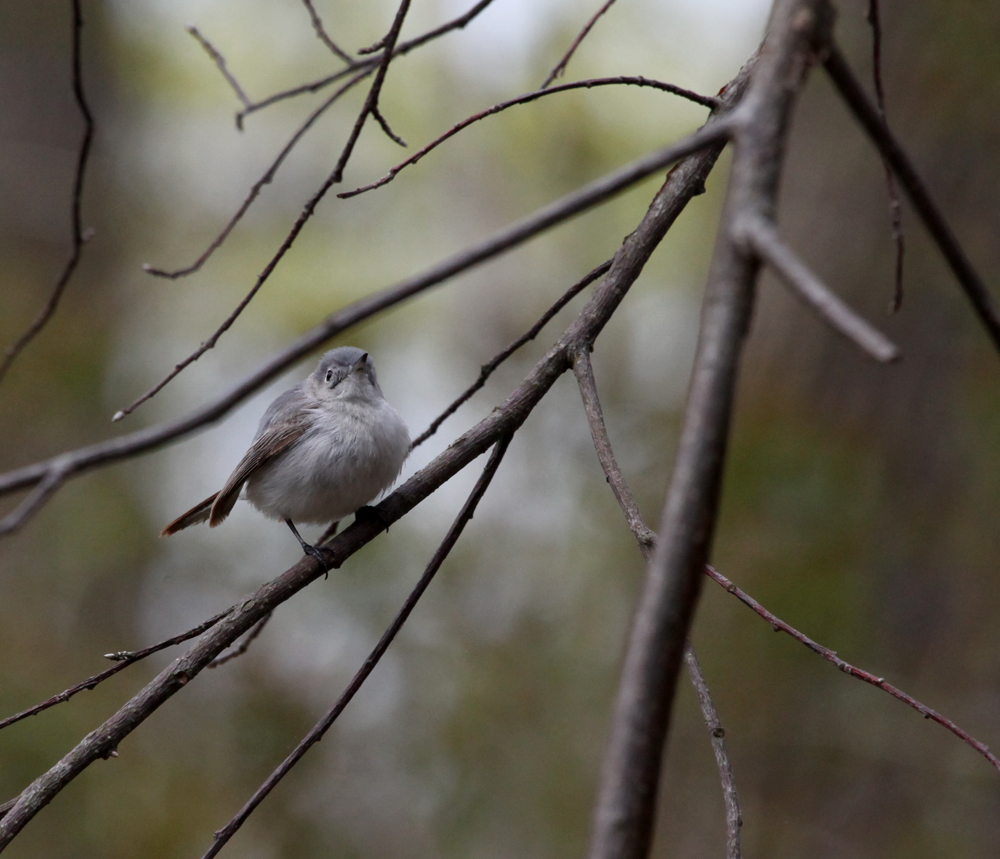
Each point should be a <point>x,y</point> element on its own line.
<point>198,513</point>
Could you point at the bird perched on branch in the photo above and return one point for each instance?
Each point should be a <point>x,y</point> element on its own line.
<point>323,450</point>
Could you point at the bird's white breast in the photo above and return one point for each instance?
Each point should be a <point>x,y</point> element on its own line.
<point>352,451</point>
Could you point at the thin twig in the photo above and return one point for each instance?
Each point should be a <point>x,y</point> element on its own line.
<point>316,734</point>
<point>43,491</point>
<point>647,539</point>
<point>895,207</point>
<point>561,210</point>
<point>490,366</point>
<point>124,658</point>
<point>371,102</point>
<point>602,444</point>
<point>763,240</point>
<point>257,186</point>
<point>384,125</point>
<point>322,35</point>
<point>220,62</point>
<point>734,820</point>
<point>710,139</point>
<point>705,101</point>
<point>831,656</point>
<point>80,235</point>
<point>244,645</point>
<point>561,65</point>
<point>367,64</point>
<point>684,182</point>
<point>867,114</point>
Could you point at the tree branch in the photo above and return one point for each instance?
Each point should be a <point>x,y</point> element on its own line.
<point>705,101</point>
<point>560,67</point>
<point>887,145</point>
<point>831,656</point>
<point>322,35</point>
<point>316,734</point>
<point>80,235</point>
<point>220,64</point>
<point>684,182</point>
<point>624,816</point>
<point>761,238</point>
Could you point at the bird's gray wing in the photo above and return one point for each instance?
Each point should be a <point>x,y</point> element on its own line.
<point>287,419</point>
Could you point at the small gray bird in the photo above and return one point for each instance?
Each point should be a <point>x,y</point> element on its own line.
<point>323,450</point>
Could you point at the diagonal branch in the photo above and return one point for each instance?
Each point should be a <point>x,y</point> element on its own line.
<point>322,35</point>
<point>490,366</point>
<point>684,182</point>
<point>705,101</point>
<point>220,63</point>
<point>80,235</point>
<point>761,238</point>
<point>867,114</point>
<point>561,65</point>
<point>572,204</point>
<point>831,656</point>
<point>316,734</point>
<point>707,143</point>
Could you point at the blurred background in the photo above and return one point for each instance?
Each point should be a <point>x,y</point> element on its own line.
<point>860,504</point>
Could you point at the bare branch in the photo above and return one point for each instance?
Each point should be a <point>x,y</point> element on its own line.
<point>602,444</point>
<point>710,139</point>
<point>831,656</point>
<point>895,207</point>
<point>258,186</point>
<point>629,782</point>
<point>244,645</point>
<point>124,658</point>
<point>762,239</point>
<point>368,64</point>
<point>734,820</point>
<point>80,235</point>
<point>570,205</point>
<point>384,125</point>
<point>316,734</point>
<point>684,182</point>
<point>220,62</point>
<point>646,540</point>
<point>705,101</point>
<point>490,366</point>
<point>561,65</point>
<point>975,290</point>
<point>322,35</point>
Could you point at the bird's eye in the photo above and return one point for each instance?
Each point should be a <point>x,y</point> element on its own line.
<point>329,375</point>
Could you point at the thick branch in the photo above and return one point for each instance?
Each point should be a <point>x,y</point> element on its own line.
<point>623,825</point>
<point>316,734</point>
<point>684,182</point>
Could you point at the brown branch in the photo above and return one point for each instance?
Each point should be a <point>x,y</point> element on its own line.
<point>322,35</point>
<point>220,63</point>
<point>895,207</point>
<point>316,734</point>
<point>367,64</point>
<point>761,238</point>
<point>561,65</point>
<point>244,645</point>
<point>630,775</point>
<point>124,658</point>
<point>705,101</point>
<point>734,820</point>
<point>490,366</point>
<point>257,187</point>
<point>684,182</point>
<point>831,656</point>
<point>646,540</point>
<point>80,235</point>
<point>711,138</point>
<point>867,114</point>
<point>384,125</point>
